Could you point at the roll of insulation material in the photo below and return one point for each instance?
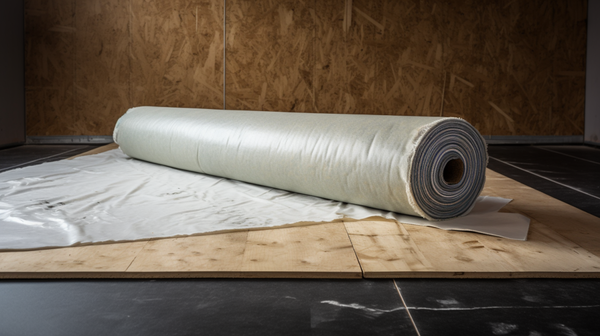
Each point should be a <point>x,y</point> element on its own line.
<point>432,167</point>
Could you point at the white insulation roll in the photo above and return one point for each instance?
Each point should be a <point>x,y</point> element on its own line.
<point>431,167</point>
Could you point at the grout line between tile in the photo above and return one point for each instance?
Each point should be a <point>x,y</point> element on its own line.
<point>406,307</point>
<point>575,157</point>
<point>546,178</point>
<point>47,157</point>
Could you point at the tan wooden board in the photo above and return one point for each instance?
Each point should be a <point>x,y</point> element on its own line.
<point>315,251</point>
<point>563,242</point>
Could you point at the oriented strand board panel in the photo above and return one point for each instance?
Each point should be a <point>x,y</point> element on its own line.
<point>102,65</point>
<point>177,53</point>
<point>270,55</point>
<point>516,67</point>
<point>316,251</point>
<point>49,66</point>
<point>563,242</point>
<point>409,43</point>
<point>509,67</point>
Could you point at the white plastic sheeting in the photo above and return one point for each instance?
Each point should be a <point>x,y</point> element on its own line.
<point>430,167</point>
<point>112,197</point>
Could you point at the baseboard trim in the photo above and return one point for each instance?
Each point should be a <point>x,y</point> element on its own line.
<point>490,139</point>
<point>532,139</point>
<point>70,140</point>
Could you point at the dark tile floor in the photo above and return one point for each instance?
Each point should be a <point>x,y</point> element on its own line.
<point>324,307</point>
<point>23,156</point>
<point>568,173</point>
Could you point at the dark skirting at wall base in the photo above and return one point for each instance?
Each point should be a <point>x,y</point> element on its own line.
<point>69,139</point>
<point>532,139</point>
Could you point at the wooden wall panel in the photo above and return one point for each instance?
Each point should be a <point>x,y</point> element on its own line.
<point>510,67</point>
<point>329,73</point>
<point>569,66</point>
<point>507,63</point>
<point>102,65</point>
<point>177,53</point>
<point>270,55</point>
<point>49,62</point>
<point>410,78</point>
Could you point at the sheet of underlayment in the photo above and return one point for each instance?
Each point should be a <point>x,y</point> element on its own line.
<point>112,197</point>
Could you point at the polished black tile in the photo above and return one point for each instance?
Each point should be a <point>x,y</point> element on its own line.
<point>580,174</point>
<point>571,180</point>
<point>203,307</point>
<point>27,155</point>
<point>503,307</point>
<point>586,153</point>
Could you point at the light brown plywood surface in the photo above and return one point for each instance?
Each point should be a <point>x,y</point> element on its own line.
<point>316,251</point>
<point>562,242</point>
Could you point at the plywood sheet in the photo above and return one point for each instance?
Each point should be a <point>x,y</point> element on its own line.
<point>317,251</point>
<point>562,242</point>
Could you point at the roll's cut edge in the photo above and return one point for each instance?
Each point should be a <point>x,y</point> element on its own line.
<point>423,135</point>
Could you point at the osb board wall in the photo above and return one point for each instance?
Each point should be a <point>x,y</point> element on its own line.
<point>511,67</point>
<point>88,61</point>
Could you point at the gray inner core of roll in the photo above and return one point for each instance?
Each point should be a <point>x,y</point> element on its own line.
<point>453,171</point>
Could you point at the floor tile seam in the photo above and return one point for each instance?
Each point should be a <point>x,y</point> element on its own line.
<point>36,160</point>
<point>406,308</point>
<point>546,178</point>
<point>501,307</point>
<point>572,156</point>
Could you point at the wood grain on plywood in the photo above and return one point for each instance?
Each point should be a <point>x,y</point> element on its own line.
<point>573,224</point>
<point>317,251</point>
<point>83,261</point>
<point>562,242</point>
<point>102,65</point>
<point>49,66</point>
<point>177,53</point>
<point>270,55</point>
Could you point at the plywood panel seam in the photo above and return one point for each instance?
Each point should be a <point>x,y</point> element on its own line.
<point>136,255</point>
<point>353,248</point>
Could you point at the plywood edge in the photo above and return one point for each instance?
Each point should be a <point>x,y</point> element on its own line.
<point>483,275</point>
<point>180,275</point>
<point>97,150</point>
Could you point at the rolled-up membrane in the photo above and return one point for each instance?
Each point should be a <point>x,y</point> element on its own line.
<point>432,167</point>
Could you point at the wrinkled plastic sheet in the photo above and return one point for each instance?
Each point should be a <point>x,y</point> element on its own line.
<point>113,197</point>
